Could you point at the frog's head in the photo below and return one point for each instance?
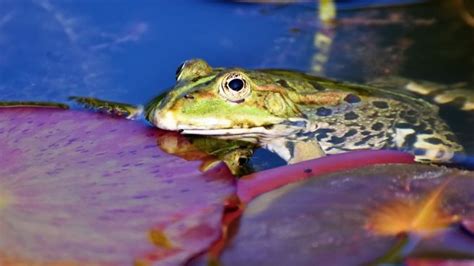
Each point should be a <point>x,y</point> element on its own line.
<point>220,102</point>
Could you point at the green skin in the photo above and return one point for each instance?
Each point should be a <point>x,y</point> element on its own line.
<point>299,116</point>
<point>302,117</point>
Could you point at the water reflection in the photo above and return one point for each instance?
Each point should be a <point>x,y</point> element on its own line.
<point>210,151</point>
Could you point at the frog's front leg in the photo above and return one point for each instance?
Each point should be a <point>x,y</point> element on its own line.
<point>295,150</point>
<point>114,108</point>
<point>238,161</point>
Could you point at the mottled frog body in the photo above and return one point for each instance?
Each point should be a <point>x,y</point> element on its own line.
<point>300,116</point>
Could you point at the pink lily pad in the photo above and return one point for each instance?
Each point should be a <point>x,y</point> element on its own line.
<point>259,183</point>
<point>324,220</point>
<point>85,189</point>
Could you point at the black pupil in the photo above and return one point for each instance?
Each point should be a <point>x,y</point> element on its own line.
<point>236,84</point>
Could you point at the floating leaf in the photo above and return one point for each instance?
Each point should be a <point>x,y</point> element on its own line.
<point>85,189</point>
<point>322,220</point>
<point>253,185</point>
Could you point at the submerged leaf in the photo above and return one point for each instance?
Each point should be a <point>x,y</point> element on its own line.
<point>323,220</point>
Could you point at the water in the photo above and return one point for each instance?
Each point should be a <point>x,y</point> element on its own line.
<point>122,50</point>
<point>129,51</point>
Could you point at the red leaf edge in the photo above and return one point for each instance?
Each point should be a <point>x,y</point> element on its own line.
<point>253,185</point>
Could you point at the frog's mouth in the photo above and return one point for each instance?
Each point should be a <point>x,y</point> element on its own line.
<point>253,134</point>
<point>225,129</point>
<point>237,133</point>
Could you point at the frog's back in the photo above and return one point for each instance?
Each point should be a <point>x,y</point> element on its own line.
<point>373,118</point>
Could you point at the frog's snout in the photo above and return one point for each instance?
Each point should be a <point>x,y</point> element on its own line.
<point>164,120</point>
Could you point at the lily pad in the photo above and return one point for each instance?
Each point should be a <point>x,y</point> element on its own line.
<point>327,220</point>
<point>255,184</point>
<point>85,189</point>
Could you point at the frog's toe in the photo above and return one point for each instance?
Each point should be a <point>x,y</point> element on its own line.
<point>295,151</point>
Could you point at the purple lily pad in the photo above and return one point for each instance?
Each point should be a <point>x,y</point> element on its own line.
<point>325,220</point>
<point>78,188</point>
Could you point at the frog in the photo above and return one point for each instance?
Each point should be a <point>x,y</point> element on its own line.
<point>299,116</point>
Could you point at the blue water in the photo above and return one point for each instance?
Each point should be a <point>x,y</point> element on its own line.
<point>122,50</point>
<point>129,50</point>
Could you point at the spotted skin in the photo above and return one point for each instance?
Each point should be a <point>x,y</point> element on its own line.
<point>387,124</point>
<point>374,118</point>
<point>299,116</point>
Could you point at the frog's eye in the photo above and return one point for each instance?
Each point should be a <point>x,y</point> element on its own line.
<point>234,87</point>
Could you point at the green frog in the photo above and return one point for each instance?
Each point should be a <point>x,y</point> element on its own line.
<point>299,116</point>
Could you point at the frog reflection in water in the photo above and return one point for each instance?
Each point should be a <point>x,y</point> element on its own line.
<point>299,116</point>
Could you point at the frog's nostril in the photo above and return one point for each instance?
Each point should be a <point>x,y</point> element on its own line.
<point>188,96</point>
